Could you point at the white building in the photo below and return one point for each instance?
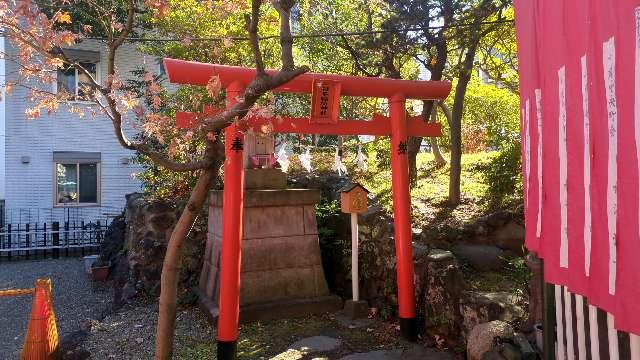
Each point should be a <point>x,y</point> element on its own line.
<point>60,167</point>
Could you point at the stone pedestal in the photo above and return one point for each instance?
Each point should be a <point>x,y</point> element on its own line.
<point>281,270</point>
<point>356,309</point>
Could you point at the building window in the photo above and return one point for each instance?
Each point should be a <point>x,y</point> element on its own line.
<point>77,178</point>
<point>75,82</point>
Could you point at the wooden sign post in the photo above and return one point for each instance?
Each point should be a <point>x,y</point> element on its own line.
<point>353,198</point>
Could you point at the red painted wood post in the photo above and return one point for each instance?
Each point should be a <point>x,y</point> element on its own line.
<point>232,207</point>
<point>402,218</point>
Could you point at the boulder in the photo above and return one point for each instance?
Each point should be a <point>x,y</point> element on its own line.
<point>486,338</point>
<point>509,237</point>
<point>481,257</point>
<point>113,240</point>
<point>481,307</point>
<point>526,350</point>
<point>503,229</point>
<point>510,352</point>
<point>138,262</point>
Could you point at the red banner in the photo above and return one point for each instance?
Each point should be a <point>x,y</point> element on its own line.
<point>580,93</point>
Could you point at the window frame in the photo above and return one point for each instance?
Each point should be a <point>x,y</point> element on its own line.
<point>76,98</point>
<point>76,204</point>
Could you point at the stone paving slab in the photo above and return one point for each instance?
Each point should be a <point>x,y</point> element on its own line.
<point>325,345</point>
<point>316,344</point>
<point>415,352</point>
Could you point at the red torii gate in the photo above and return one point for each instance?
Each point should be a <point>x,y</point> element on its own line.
<point>397,125</point>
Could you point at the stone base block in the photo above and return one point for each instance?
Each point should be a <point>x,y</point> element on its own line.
<point>356,309</point>
<point>281,272</point>
<point>264,179</point>
<point>288,308</point>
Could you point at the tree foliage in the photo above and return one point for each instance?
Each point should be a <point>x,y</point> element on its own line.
<point>490,119</point>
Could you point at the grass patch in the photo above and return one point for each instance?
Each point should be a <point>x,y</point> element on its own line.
<point>263,340</point>
<point>513,279</point>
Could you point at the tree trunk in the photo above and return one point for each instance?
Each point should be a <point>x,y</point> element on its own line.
<point>414,143</point>
<point>435,148</point>
<point>456,118</point>
<point>172,263</point>
<point>413,148</point>
<point>437,154</point>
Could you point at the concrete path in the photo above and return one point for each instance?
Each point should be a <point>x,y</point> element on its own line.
<point>75,298</point>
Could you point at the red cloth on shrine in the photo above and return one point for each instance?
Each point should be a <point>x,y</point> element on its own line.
<point>581,192</point>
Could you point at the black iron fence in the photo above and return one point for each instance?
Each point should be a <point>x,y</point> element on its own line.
<point>51,238</point>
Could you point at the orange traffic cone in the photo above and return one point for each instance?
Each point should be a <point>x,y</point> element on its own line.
<point>42,334</point>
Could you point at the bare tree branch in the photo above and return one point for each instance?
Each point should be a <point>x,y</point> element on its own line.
<point>286,40</point>
<point>262,83</point>
<point>131,11</point>
<point>252,29</point>
<point>357,58</point>
<point>254,90</point>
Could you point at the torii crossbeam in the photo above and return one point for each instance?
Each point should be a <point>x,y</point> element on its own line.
<point>326,90</point>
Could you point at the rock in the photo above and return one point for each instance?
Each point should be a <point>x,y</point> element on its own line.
<point>316,344</point>
<point>481,307</point>
<point>356,309</point>
<point>113,241</point>
<point>486,337</point>
<point>378,282</point>
<point>494,354</point>
<point>142,236</point>
<point>439,289</point>
<point>509,237</point>
<point>420,250</point>
<point>503,229</point>
<point>481,257</point>
<point>510,352</point>
<point>527,351</point>
<point>290,354</point>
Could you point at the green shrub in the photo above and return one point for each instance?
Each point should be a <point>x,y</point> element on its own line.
<point>503,174</point>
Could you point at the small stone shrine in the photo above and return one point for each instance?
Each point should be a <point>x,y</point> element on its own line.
<point>281,270</point>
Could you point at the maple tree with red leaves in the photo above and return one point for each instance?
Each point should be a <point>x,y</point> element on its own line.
<point>40,34</point>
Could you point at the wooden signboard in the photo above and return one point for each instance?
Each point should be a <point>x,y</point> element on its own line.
<point>354,199</point>
<point>325,102</point>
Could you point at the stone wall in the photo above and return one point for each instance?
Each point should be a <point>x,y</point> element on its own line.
<point>447,305</point>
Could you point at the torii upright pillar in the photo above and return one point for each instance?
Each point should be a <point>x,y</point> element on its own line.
<point>402,218</point>
<point>230,254</point>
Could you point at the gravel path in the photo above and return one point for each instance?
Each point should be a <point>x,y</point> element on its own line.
<point>75,297</point>
<point>129,333</point>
